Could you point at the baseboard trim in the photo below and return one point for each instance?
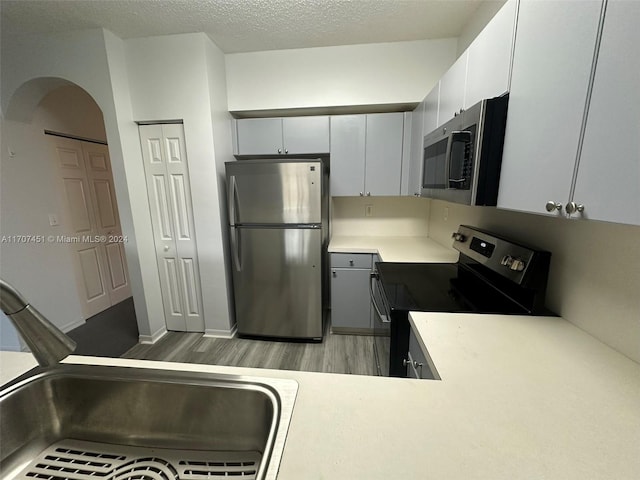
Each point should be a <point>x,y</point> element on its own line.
<point>217,333</point>
<point>151,339</point>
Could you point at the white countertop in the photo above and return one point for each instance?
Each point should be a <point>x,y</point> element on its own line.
<point>520,397</point>
<point>394,249</point>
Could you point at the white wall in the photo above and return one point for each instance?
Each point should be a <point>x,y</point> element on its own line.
<point>71,110</point>
<point>169,79</point>
<point>594,275</point>
<point>383,73</point>
<point>29,191</point>
<point>32,65</point>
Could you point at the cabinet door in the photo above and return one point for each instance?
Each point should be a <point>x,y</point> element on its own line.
<point>430,120</point>
<point>347,155</point>
<point>383,153</point>
<point>260,136</point>
<point>414,175</point>
<point>552,61</point>
<point>305,134</point>
<point>350,301</point>
<point>452,87</point>
<point>490,57</point>
<point>608,182</point>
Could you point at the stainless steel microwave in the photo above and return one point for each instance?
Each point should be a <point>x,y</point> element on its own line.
<point>462,158</point>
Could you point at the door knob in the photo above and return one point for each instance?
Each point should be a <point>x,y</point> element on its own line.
<point>551,206</point>
<point>166,248</point>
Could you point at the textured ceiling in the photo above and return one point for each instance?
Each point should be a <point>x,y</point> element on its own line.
<point>248,25</point>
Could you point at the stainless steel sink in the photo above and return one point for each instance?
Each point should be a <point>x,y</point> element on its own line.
<point>80,421</point>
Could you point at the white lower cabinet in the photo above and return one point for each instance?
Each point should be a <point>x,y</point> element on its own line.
<point>350,300</point>
<point>416,362</point>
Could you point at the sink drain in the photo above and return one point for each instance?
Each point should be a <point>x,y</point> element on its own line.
<point>79,460</point>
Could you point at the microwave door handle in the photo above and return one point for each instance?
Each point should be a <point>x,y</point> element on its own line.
<point>457,136</point>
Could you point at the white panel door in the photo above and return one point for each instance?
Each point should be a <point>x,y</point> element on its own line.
<point>79,223</point>
<point>168,189</point>
<point>100,180</point>
<point>608,182</point>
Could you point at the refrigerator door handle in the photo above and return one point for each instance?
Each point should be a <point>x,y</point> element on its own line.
<point>235,248</point>
<point>234,233</point>
<point>233,199</point>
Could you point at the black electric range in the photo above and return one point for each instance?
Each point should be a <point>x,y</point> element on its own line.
<point>493,275</point>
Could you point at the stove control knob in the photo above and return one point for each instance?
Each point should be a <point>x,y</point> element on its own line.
<point>458,237</point>
<point>517,265</point>
<point>507,261</point>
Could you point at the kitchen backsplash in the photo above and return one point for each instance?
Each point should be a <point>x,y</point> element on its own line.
<point>380,216</point>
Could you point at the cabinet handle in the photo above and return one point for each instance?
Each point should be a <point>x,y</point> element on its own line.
<point>279,150</point>
<point>551,206</point>
<point>573,207</point>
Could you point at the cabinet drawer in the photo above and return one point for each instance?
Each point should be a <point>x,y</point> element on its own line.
<point>351,260</point>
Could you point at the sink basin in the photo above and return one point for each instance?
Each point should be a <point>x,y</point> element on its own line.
<point>80,421</point>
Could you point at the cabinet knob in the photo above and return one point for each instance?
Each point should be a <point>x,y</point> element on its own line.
<point>551,206</point>
<point>351,263</point>
<point>279,150</point>
<point>573,207</point>
<point>405,362</point>
<point>368,194</point>
<point>286,151</point>
<point>361,194</point>
<point>334,274</point>
<point>166,248</point>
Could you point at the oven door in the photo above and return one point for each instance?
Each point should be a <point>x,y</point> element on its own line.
<point>381,326</point>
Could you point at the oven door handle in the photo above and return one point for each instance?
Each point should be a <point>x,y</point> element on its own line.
<point>374,278</point>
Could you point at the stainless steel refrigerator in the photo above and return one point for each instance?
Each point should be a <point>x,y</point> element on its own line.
<point>278,211</point>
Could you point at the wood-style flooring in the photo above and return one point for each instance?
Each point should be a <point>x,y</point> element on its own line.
<point>352,354</point>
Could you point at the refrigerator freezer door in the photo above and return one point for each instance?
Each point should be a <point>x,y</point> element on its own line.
<point>274,192</point>
<point>277,280</point>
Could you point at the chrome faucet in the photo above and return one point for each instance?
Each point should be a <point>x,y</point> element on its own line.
<point>46,341</point>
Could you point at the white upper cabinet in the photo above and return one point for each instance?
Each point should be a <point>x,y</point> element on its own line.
<point>552,61</point>
<point>305,134</point>
<point>283,136</point>
<point>259,136</point>
<point>489,62</point>
<point>348,133</point>
<point>608,181</point>
<point>483,70</point>
<point>383,150</point>
<point>452,90</point>
<point>430,121</point>
<point>414,170</point>
<point>366,154</point>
